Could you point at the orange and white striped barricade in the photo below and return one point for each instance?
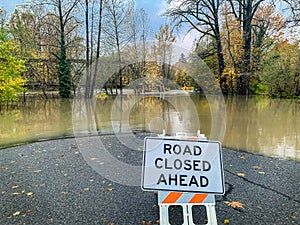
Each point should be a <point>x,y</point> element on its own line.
<point>187,201</point>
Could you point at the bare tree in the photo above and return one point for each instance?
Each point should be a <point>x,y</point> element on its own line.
<point>140,31</point>
<point>118,17</point>
<point>98,47</point>
<point>202,16</point>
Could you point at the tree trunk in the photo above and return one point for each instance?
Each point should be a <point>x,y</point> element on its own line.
<point>87,51</point>
<point>98,49</point>
<point>221,62</point>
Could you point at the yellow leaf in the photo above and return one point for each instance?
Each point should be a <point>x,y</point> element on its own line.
<point>256,167</point>
<point>29,193</point>
<point>226,221</point>
<point>87,189</point>
<point>261,172</point>
<point>241,174</point>
<point>15,186</point>
<point>109,189</point>
<point>16,213</point>
<point>235,204</point>
<point>64,192</point>
<point>16,193</point>
<point>242,157</point>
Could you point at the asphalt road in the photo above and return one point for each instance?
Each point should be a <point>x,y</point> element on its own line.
<point>51,182</point>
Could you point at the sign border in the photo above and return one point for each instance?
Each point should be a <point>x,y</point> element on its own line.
<point>178,190</point>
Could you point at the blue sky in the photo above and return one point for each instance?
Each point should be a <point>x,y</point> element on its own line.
<point>154,9</point>
<point>9,5</point>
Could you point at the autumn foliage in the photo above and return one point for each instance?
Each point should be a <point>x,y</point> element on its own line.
<point>11,68</point>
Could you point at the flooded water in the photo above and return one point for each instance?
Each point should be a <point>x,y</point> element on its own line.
<point>254,124</point>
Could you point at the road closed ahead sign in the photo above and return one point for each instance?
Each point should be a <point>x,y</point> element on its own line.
<point>182,165</point>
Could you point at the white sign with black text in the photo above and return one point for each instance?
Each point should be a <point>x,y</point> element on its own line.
<point>172,164</point>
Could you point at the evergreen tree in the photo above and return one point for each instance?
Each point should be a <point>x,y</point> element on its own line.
<point>64,72</point>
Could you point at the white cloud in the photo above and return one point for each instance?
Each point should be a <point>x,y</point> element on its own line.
<point>186,40</point>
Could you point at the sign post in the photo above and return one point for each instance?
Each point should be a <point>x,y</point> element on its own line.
<point>185,171</point>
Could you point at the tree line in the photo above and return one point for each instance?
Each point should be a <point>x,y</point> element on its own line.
<point>251,47</point>
<point>245,42</point>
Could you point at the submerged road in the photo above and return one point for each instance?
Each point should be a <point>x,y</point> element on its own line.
<point>50,182</point>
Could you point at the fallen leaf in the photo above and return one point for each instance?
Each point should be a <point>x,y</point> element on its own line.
<point>86,189</point>
<point>241,174</point>
<point>104,220</point>
<point>36,171</point>
<point>226,221</point>
<point>29,193</point>
<point>16,213</point>
<point>261,172</point>
<point>235,204</point>
<point>256,167</point>
<point>93,159</point>
<point>15,186</point>
<point>16,193</point>
<point>109,189</point>
<point>64,192</point>
<point>147,222</point>
<point>242,156</point>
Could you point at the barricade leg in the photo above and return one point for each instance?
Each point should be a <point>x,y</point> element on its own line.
<point>211,215</point>
<point>187,215</point>
<point>164,214</point>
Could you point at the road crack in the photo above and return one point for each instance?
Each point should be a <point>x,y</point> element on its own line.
<point>264,186</point>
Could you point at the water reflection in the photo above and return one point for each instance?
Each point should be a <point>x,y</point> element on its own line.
<point>265,126</point>
<point>255,124</point>
<point>35,120</point>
